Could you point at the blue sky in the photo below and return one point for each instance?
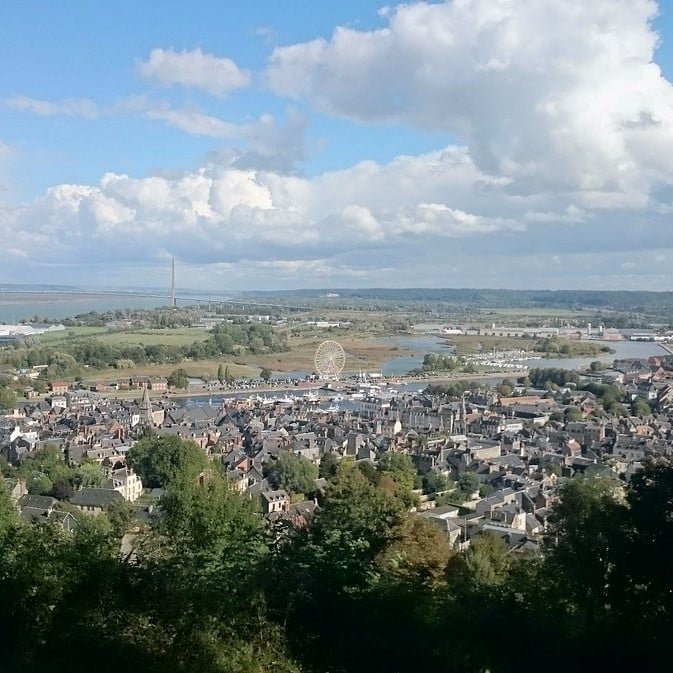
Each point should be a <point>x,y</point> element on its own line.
<point>91,50</point>
<point>301,144</point>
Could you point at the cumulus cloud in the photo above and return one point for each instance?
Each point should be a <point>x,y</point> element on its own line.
<point>224,213</point>
<point>71,107</point>
<point>217,75</point>
<point>435,214</point>
<point>554,95</point>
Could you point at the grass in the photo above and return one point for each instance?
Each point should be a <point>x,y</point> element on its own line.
<point>70,334</point>
<point>183,336</point>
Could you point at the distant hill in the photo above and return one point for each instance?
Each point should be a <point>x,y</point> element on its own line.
<point>618,300</point>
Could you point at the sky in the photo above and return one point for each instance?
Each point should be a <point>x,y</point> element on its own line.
<point>279,144</point>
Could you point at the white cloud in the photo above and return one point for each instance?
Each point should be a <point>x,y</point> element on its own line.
<point>264,144</point>
<point>195,122</point>
<point>217,75</point>
<point>71,107</point>
<point>553,95</point>
<point>220,213</point>
<point>432,217</point>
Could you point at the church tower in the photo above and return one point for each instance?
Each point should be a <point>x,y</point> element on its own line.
<point>146,408</point>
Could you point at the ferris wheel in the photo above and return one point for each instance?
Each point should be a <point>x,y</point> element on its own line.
<point>330,359</point>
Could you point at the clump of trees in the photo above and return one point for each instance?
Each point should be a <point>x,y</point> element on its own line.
<point>541,377</point>
<point>160,460</point>
<point>47,473</point>
<point>439,362</point>
<point>566,348</point>
<point>293,473</point>
<point>452,389</point>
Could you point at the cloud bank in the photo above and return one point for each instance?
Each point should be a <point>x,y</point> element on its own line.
<point>561,174</point>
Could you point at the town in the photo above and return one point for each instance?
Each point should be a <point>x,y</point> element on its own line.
<point>475,458</point>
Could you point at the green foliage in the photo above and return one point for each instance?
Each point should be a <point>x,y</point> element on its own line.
<point>560,377</point>
<point>610,396</point>
<point>588,516</point>
<point>160,460</point>
<point>121,516</point>
<point>440,362</point>
<point>7,398</point>
<point>487,561</point>
<point>399,467</point>
<point>468,483</point>
<point>178,378</point>
<point>212,587</point>
<point>265,374</point>
<point>357,514</point>
<point>328,466</point>
<point>8,513</point>
<point>434,482</point>
<point>295,474</point>
<point>38,483</point>
<point>504,390</point>
<point>419,554</point>
<point>572,414</point>
<point>453,389</point>
<point>640,407</point>
<point>189,602</point>
<point>398,476</point>
<point>69,358</point>
<point>565,348</point>
<point>62,489</point>
<point>213,536</point>
<point>89,474</point>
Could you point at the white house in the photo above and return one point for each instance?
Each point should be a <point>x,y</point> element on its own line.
<point>126,482</point>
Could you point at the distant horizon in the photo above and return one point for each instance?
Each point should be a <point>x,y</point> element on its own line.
<point>158,292</point>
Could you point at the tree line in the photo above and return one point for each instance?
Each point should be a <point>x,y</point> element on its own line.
<point>68,358</point>
<point>367,587</point>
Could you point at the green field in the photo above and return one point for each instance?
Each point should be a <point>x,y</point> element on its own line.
<point>69,334</point>
<point>183,336</point>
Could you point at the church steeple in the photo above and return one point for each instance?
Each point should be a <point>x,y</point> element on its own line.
<point>146,407</point>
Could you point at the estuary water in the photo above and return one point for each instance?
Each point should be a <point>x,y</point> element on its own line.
<point>17,306</point>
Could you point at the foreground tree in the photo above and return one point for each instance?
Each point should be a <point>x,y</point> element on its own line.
<point>295,474</point>
<point>159,460</point>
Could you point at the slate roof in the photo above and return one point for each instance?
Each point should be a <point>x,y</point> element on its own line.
<point>43,502</point>
<point>96,497</point>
